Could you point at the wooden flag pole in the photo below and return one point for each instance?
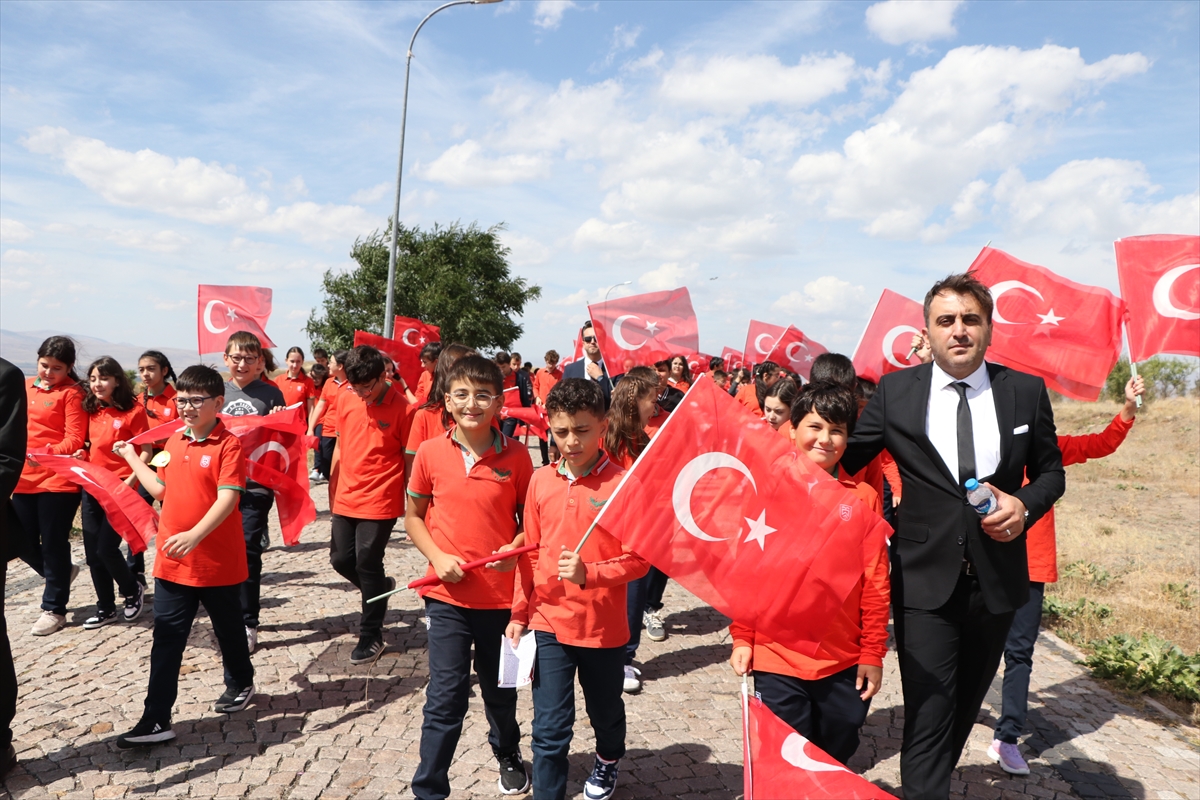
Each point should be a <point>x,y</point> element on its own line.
<point>1133,374</point>
<point>749,781</point>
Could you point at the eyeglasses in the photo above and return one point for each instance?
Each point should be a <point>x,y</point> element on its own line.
<point>365,389</point>
<point>482,399</point>
<point>242,359</point>
<point>590,339</point>
<point>194,401</point>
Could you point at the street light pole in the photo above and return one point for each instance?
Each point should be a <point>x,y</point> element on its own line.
<point>389,310</point>
<point>614,286</point>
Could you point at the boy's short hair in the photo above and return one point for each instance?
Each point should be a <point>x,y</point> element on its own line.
<point>834,367</point>
<point>514,356</point>
<point>319,374</point>
<point>718,375</point>
<point>664,364</point>
<point>363,364</point>
<point>716,362</point>
<point>320,352</point>
<point>245,341</point>
<point>340,356</point>
<point>503,357</point>
<point>572,395</point>
<point>477,370</point>
<point>551,355</point>
<point>831,401</point>
<point>431,351</point>
<point>866,388</point>
<point>200,378</point>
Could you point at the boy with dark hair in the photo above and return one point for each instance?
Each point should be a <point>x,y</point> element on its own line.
<point>321,356</point>
<point>201,552</point>
<point>668,396</point>
<point>247,394</point>
<point>836,368</point>
<point>466,501</point>
<point>543,381</point>
<point>826,697</point>
<point>371,426</point>
<point>517,387</point>
<point>574,602</point>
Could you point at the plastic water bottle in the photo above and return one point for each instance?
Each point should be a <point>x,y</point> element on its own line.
<point>980,497</point>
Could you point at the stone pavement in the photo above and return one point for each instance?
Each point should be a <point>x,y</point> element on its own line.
<point>320,727</point>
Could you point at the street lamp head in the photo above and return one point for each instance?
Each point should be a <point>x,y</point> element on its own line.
<point>483,2</point>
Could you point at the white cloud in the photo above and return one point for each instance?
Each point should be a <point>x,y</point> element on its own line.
<point>464,164</point>
<point>12,231</point>
<point>649,61</point>
<point>162,304</point>
<point>164,241</point>
<point>963,214</point>
<point>623,38</point>
<point>826,295</point>
<point>668,276</point>
<point>595,234</point>
<point>316,223</point>
<point>364,197</point>
<point>904,21</point>
<point>15,256</point>
<point>295,188</point>
<point>526,251</point>
<point>735,84</point>
<point>548,14</point>
<point>979,109</point>
<point>580,298</point>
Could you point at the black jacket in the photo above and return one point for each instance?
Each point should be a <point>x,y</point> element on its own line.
<point>578,369</point>
<point>524,387</point>
<point>934,521</point>
<point>14,435</point>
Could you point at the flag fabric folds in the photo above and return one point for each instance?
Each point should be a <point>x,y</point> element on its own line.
<point>732,358</point>
<point>130,515</point>
<point>795,352</point>
<point>760,341</point>
<point>643,329</point>
<point>725,506</point>
<point>1160,283</point>
<point>222,311</point>
<point>1064,332</point>
<point>405,350</point>
<point>887,339</point>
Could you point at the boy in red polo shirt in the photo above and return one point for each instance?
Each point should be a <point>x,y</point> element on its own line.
<point>466,497</point>
<point>826,697</point>
<point>543,381</point>
<point>371,426</point>
<point>575,601</point>
<point>201,552</point>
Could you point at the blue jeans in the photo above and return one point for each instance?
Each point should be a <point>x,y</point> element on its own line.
<point>46,518</point>
<point>255,507</point>
<point>175,608</point>
<point>1018,663</point>
<point>102,546</point>
<point>452,631</point>
<point>644,594</point>
<point>601,676</point>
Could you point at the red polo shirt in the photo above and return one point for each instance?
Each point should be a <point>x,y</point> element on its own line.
<point>160,408</point>
<point>57,424</point>
<point>296,390</point>
<point>371,440</point>
<point>108,426</point>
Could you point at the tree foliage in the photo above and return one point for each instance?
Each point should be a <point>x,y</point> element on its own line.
<point>456,278</point>
<point>1164,377</point>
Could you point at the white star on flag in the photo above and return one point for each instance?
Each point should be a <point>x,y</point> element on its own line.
<point>651,326</point>
<point>1050,319</point>
<point>759,529</point>
<point>231,313</point>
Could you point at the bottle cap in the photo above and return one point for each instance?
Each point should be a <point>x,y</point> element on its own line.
<point>971,484</point>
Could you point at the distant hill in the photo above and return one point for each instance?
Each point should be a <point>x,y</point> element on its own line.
<point>20,347</point>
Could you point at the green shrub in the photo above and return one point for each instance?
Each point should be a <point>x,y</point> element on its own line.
<point>1053,607</point>
<point>1148,664</point>
<point>1090,571</point>
<point>1164,376</point>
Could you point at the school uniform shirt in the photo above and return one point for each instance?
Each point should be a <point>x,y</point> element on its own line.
<point>371,440</point>
<point>679,385</point>
<point>424,384</point>
<point>857,635</point>
<point>785,430</point>
<point>545,380</point>
<point>656,421</point>
<point>558,511</point>
<point>295,390</point>
<point>195,471</point>
<point>747,395</point>
<point>160,408</point>
<point>472,511</point>
<point>330,394</point>
<point>426,425</point>
<point>258,397</point>
<point>1040,544</point>
<point>57,424</point>
<point>108,426</point>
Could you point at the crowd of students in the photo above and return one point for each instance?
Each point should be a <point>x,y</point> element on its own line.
<point>441,454</point>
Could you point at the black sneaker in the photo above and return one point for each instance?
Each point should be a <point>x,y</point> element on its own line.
<point>513,777</point>
<point>146,733</point>
<point>369,648</point>
<point>234,700</point>
<point>602,782</point>
<point>133,605</point>
<point>100,619</point>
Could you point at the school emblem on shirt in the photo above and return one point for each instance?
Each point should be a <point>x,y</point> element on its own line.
<point>383,426</point>
<point>844,512</point>
<point>597,503</point>
<point>205,460</point>
<point>502,474</point>
<point>116,424</point>
<point>166,412</point>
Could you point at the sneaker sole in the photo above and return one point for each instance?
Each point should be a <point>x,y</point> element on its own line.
<point>358,662</point>
<point>994,756</point>
<point>37,632</point>
<point>511,792</point>
<point>654,638</point>
<point>94,625</point>
<point>126,743</point>
<point>135,616</point>
<point>625,690</point>
<point>230,709</point>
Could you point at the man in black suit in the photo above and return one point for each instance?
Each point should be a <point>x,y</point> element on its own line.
<point>13,434</point>
<point>591,365</point>
<point>956,578</point>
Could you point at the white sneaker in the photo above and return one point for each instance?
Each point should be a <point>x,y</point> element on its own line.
<point>633,684</point>
<point>655,630</point>
<point>251,638</point>
<point>1008,756</point>
<point>48,623</point>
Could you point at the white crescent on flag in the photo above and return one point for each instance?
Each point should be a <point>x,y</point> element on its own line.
<point>1005,286</point>
<point>619,335</point>
<point>685,484</point>
<point>404,337</point>
<point>208,309</point>
<point>272,447</point>
<point>758,343</point>
<point>1162,294</point>
<point>889,340</point>
<point>793,753</point>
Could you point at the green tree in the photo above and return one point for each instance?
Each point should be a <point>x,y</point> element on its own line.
<point>456,278</point>
<point>1164,377</point>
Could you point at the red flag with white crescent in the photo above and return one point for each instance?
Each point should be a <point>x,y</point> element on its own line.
<point>413,335</point>
<point>1066,333</point>
<point>698,363</point>
<point>643,329</point>
<point>1160,283</point>
<point>795,352</point>
<point>779,762</point>
<point>222,311</point>
<point>760,341</point>
<point>732,358</point>
<point>724,505</point>
<point>131,516</point>
<point>887,339</point>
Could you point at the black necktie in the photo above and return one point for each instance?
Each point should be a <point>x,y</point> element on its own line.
<point>966,436</point>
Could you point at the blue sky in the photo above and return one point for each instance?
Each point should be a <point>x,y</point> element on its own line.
<point>805,155</point>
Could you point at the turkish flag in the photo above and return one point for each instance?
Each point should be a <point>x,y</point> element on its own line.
<point>224,310</point>
<point>1160,283</point>
<point>1064,332</point>
<point>405,349</point>
<point>643,329</point>
<point>533,418</point>
<point>724,505</point>
<point>733,359</point>
<point>698,363</point>
<point>760,341</point>
<point>887,339</point>
<point>130,515</point>
<point>779,762</point>
<point>795,352</point>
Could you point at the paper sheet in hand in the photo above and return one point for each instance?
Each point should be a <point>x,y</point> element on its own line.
<point>516,665</point>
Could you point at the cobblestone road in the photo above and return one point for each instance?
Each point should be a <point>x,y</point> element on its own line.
<point>320,727</point>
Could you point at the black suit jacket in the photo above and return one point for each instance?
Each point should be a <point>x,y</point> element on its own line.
<point>934,521</point>
<point>13,436</point>
<point>578,369</point>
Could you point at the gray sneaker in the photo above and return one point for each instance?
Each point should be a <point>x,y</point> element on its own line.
<point>652,622</point>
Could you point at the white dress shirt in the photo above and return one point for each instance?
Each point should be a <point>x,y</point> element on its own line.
<point>941,421</point>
